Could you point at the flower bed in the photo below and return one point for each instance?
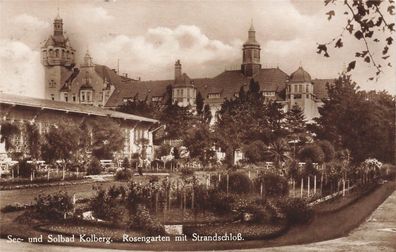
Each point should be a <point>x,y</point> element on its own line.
<point>116,234</point>
<point>248,231</point>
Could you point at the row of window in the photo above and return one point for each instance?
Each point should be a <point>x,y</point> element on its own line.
<point>180,92</point>
<point>298,88</point>
<point>58,53</point>
<point>299,96</point>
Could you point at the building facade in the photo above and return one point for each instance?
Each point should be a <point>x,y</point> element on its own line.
<point>288,90</point>
<point>65,80</point>
<point>44,113</point>
<point>98,85</point>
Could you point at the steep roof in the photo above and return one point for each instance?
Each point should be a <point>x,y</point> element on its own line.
<point>227,84</point>
<point>68,107</point>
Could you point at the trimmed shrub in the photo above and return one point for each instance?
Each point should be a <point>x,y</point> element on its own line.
<point>296,210</point>
<point>142,220</point>
<point>124,174</point>
<point>95,167</point>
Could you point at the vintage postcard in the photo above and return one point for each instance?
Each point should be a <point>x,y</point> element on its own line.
<point>183,125</point>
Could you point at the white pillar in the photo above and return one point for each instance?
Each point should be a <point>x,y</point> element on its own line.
<point>315,184</point>
<point>302,187</point>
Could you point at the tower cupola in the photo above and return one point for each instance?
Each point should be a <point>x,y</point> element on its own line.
<point>251,54</point>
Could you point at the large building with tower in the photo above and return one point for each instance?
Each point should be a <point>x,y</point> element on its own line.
<point>98,85</point>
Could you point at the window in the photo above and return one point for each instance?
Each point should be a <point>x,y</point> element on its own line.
<point>295,88</point>
<point>181,91</point>
<point>65,96</point>
<point>307,88</point>
<point>52,97</point>
<point>74,98</point>
<point>88,96</point>
<point>299,88</point>
<point>52,84</point>
<point>297,96</point>
<point>307,95</point>
<point>82,96</point>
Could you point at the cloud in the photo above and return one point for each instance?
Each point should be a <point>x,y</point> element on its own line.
<point>21,72</point>
<point>30,22</point>
<point>154,53</point>
<point>95,14</point>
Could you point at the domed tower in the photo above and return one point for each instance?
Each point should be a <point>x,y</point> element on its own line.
<point>251,54</point>
<point>57,57</point>
<point>300,91</point>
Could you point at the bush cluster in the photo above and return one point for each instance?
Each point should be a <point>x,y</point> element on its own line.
<point>94,167</point>
<point>123,175</point>
<point>296,210</point>
<point>273,184</point>
<point>54,206</point>
<point>104,205</point>
<point>239,183</point>
<point>142,220</point>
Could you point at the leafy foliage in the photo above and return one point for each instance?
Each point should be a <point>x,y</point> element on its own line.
<point>61,142</point>
<point>94,167</point>
<point>365,20</point>
<point>239,183</point>
<point>358,120</point>
<point>273,184</point>
<point>53,207</point>
<point>8,131</point>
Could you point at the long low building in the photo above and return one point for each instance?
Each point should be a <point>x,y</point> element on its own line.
<point>46,112</point>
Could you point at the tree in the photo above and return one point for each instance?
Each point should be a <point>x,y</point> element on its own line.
<point>61,142</point>
<point>141,108</point>
<point>328,150</point>
<point>295,121</point>
<point>199,103</point>
<point>199,142</point>
<point>8,131</point>
<point>365,19</point>
<point>33,140</point>
<point>177,120</point>
<point>246,118</point>
<point>279,150</point>
<point>311,153</point>
<point>207,114</point>
<point>107,138</point>
<point>358,120</point>
<point>254,151</point>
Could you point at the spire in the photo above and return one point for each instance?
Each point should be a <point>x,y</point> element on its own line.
<point>251,25</point>
<point>251,34</point>
<point>87,59</point>
<point>58,25</point>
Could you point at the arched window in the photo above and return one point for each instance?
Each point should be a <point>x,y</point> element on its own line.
<point>57,53</point>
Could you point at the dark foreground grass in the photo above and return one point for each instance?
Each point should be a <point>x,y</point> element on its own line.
<point>323,226</point>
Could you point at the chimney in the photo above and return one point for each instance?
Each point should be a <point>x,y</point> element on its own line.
<point>178,70</point>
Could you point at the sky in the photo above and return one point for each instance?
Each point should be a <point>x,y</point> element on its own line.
<point>147,37</point>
